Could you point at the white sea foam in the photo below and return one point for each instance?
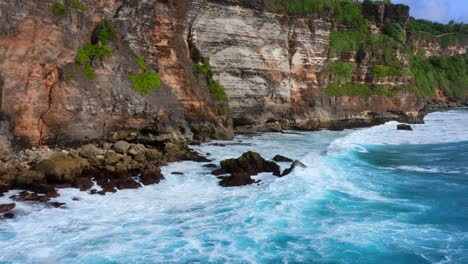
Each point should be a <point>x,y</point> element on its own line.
<point>439,127</point>
<point>328,212</point>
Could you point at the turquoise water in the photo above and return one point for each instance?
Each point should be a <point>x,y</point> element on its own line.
<point>373,195</point>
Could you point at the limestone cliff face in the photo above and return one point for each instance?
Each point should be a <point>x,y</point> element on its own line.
<point>275,68</point>
<point>41,105</point>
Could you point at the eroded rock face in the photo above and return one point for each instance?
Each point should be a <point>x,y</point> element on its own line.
<point>42,104</point>
<point>276,68</point>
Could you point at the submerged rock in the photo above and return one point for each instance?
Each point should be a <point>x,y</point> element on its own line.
<point>293,166</point>
<point>279,158</point>
<point>404,127</point>
<point>250,163</point>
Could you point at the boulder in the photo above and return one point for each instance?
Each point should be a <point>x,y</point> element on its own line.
<point>238,179</point>
<point>404,127</point>
<point>61,168</point>
<point>250,163</point>
<point>151,175</point>
<point>293,166</point>
<point>128,183</point>
<point>121,146</point>
<point>279,158</point>
<point>211,165</point>
<point>7,207</point>
<point>111,158</point>
<point>90,151</point>
<point>9,215</point>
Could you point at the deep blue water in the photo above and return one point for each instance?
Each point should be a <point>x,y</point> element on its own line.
<point>373,195</point>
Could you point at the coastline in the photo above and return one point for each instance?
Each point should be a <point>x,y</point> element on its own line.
<point>108,167</point>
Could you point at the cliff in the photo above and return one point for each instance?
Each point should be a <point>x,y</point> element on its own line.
<point>157,79</point>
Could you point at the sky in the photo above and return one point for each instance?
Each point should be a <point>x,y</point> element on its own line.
<point>438,10</point>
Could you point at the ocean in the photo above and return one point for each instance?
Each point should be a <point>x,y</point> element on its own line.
<point>372,195</point>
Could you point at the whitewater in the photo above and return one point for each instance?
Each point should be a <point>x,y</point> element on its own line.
<point>372,195</point>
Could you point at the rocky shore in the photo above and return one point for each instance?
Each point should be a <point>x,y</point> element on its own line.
<point>96,169</point>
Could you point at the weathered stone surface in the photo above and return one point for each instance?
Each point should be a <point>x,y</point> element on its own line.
<point>121,147</point>
<point>61,168</point>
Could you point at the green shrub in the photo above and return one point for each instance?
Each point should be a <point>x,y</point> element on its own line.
<point>91,51</point>
<point>217,90</point>
<point>384,71</point>
<point>345,41</point>
<point>58,9</point>
<point>88,71</point>
<point>106,32</point>
<point>78,5</point>
<point>351,89</point>
<point>383,50</point>
<point>298,7</point>
<point>447,74</point>
<point>395,31</point>
<point>343,71</point>
<point>385,89</point>
<point>204,67</point>
<point>141,62</point>
<point>350,13</point>
<point>145,82</point>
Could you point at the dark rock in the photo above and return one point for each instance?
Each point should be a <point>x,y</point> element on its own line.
<point>3,190</point>
<point>293,166</point>
<point>250,163</point>
<point>76,199</point>
<point>237,179</point>
<point>7,207</point>
<point>93,191</point>
<point>151,175</point>
<point>279,158</point>
<point>218,172</point>
<point>211,165</point>
<point>9,215</point>
<point>30,197</point>
<point>83,184</point>
<point>57,204</point>
<point>404,127</point>
<point>48,190</point>
<point>127,184</point>
<point>177,173</point>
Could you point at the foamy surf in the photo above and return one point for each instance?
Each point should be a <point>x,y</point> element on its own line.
<point>366,196</point>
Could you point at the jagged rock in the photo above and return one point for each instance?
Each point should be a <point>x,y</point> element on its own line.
<point>404,127</point>
<point>250,163</point>
<point>177,173</point>
<point>7,207</point>
<point>61,168</point>
<point>121,146</point>
<point>279,158</point>
<point>293,166</point>
<point>153,154</point>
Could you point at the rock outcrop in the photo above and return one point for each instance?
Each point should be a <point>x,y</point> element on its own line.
<point>240,169</point>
